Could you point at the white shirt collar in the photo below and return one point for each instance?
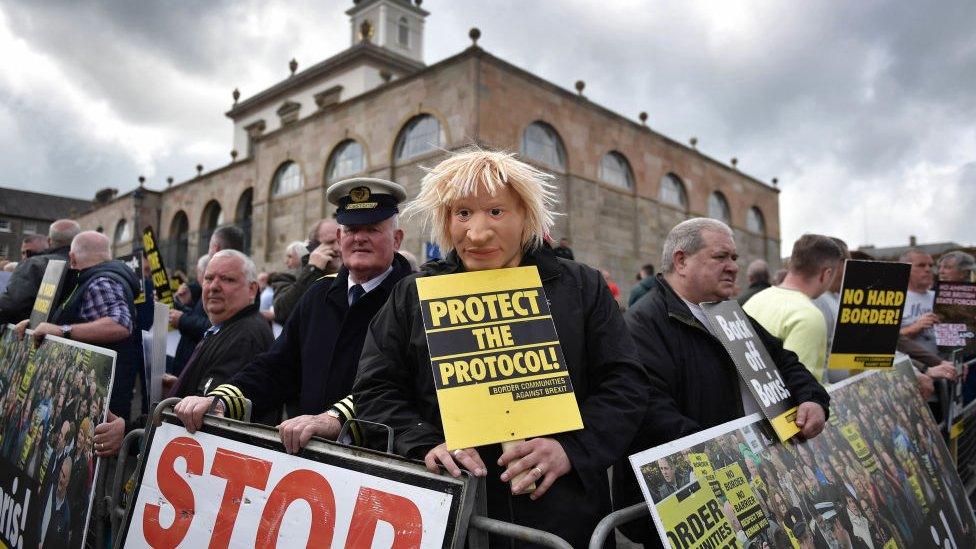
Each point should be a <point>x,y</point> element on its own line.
<point>696,310</point>
<point>369,285</point>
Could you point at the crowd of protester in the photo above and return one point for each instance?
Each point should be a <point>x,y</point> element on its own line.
<point>825,493</point>
<point>352,344</point>
<point>49,416</point>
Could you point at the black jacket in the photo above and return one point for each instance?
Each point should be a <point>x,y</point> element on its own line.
<point>316,355</point>
<point>17,299</point>
<point>192,325</point>
<point>752,290</point>
<point>694,383</point>
<point>219,356</point>
<point>289,287</point>
<point>395,387</point>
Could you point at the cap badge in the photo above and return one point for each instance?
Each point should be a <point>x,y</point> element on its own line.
<point>359,194</point>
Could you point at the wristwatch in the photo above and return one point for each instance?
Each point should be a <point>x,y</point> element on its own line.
<point>66,331</point>
<point>334,413</point>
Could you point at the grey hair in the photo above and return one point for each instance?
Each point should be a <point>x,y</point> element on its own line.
<point>758,270</point>
<point>964,261</point>
<point>202,263</point>
<point>299,248</point>
<point>687,237</point>
<point>62,232</point>
<point>250,270</point>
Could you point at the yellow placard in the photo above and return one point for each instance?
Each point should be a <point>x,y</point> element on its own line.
<point>495,356</point>
<point>693,519</point>
<point>859,361</point>
<point>704,472</point>
<point>860,447</point>
<point>785,424</point>
<point>743,499</point>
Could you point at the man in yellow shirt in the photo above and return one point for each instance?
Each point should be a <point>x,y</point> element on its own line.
<point>787,311</point>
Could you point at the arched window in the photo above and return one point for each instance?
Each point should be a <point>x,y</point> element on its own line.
<point>123,234</point>
<point>755,222</point>
<point>403,32</point>
<point>242,216</point>
<point>287,180</point>
<point>541,143</point>
<point>179,241</point>
<point>212,218</point>
<point>420,135</point>
<point>346,159</point>
<point>615,169</point>
<point>718,208</point>
<point>673,191</point>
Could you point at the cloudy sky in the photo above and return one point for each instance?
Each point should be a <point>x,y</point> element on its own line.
<point>865,111</point>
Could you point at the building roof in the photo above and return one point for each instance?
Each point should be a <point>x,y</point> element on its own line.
<point>935,248</point>
<point>361,51</point>
<point>47,207</point>
<point>360,5</point>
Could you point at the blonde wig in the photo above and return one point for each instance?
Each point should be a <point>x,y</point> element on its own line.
<point>465,174</point>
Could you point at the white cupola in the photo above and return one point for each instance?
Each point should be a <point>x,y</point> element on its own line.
<point>397,25</point>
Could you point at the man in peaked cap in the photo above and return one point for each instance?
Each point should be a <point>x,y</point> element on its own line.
<point>316,356</point>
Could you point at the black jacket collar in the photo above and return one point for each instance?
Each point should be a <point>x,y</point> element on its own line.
<point>339,292</point>
<point>675,305</point>
<point>542,258</point>
<point>249,310</point>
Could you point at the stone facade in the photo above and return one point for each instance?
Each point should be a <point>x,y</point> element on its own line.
<point>476,98</point>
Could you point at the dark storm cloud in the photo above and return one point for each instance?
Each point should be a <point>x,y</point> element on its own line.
<point>845,99</point>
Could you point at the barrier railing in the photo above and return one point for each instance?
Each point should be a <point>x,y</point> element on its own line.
<point>113,510</point>
<point>479,526</point>
<point>605,528</point>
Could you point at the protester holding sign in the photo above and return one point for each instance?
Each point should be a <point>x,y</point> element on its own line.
<point>99,309</point>
<point>787,311</point>
<point>491,211</point>
<point>18,296</point>
<point>694,382</point>
<point>315,358</point>
<point>917,335</point>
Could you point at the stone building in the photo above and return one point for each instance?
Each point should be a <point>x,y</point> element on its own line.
<point>24,213</point>
<point>376,109</point>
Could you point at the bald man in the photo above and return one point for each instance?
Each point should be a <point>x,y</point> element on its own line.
<point>99,309</point>
<point>18,298</point>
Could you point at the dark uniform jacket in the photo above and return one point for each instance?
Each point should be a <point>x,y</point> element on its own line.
<point>219,356</point>
<point>395,387</point>
<point>317,353</point>
<point>289,287</point>
<point>192,325</point>
<point>694,383</point>
<point>17,299</point>
<point>752,290</point>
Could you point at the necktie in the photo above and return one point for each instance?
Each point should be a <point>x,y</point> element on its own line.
<point>355,293</point>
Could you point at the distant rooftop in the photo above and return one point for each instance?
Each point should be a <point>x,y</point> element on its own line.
<point>934,249</point>
<point>48,207</point>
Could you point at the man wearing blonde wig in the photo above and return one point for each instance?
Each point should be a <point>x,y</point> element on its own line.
<point>490,211</point>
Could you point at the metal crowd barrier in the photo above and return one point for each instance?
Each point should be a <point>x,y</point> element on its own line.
<point>110,509</point>
<point>606,527</point>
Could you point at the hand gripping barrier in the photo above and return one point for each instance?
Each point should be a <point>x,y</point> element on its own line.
<point>478,525</point>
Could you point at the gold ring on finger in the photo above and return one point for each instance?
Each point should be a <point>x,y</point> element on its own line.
<point>456,453</point>
<point>538,470</point>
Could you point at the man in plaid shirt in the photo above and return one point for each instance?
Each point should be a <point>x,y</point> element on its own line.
<point>99,309</point>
